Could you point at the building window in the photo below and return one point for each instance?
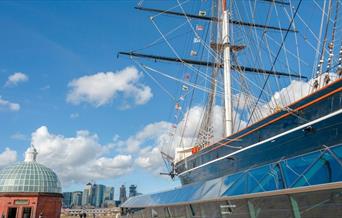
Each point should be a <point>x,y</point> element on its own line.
<point>27,212</point>
<point>12,212</point>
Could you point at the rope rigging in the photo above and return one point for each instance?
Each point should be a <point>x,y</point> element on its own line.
<point>254,96</point>
<point>276,58</point>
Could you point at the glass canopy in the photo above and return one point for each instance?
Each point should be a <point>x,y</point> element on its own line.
<point>29,177</point>
<point>314,168</point>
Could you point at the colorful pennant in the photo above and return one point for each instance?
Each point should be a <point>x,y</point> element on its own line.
<point>199,27</point>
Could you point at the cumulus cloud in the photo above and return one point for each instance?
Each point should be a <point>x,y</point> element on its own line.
<point>148,136</point>
<point>296,90</point>
<point>101,88</point>
<point>7,156</point>
<point>150,158</point>
<point>188,127</point>
<point>79,158</point>
<point>146,145</point>
<point>7,105</point>
<point>16,78</point>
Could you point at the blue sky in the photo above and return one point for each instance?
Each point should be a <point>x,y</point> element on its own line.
<point>92,116</point>
<point>56,43</point>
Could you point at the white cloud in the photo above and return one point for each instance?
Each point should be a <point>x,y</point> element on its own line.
<point>193,122</point>
<point>79,158</point>
<point>150,159</point>
<point>148,136</point>
<point>293,92</point>
<point>101,88</point>
<point>147,144</point>
<point>16,78</point>
<point>7,105</point>
<point>7,156</point>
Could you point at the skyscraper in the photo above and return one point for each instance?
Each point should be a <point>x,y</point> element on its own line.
<point>109,194</point>
<point>96,195</point>
<point>132,190</point>
<point>87,195</point>
<point>123,196</point>
<point>67,196</point>
<point>76,200</point>
<point>99,195</point>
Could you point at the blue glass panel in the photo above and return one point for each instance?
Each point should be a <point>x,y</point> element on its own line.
<point>229,181</point>
<point>238,188</point>
<point>255,176</point>
<point>338,151</point>
<point>325,170</point>
<point>210,189</point>
<point>293,168</point>
<point>279,177</point>
<point>272,181</point>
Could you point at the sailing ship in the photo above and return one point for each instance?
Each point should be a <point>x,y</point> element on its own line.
<point>277,149</point>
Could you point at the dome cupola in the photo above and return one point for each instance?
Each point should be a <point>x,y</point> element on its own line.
<point>29,176</point>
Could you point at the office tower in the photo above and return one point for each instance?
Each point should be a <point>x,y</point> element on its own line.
<point>99,195</point>
<point>123,196</point>
<point>109,194</point>
<point>76,199</point>
<point>67,196</point>
<point>87,195</point>
<point>132,190</point>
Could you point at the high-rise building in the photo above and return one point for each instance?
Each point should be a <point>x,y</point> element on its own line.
<point>76,200</point>
<point>109,194</point>
<point>67,196</point>
<point>87,197</point>
<point>96,194</point>
<point>123,196</point>
<point>99,195</point>
<point>132,190</point>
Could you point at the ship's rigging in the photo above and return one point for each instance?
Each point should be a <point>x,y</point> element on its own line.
<point>249,88</point>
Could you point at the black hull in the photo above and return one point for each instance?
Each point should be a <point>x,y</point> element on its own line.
<point>309,126</point>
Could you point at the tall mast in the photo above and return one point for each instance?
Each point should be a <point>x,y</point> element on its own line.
<point>228,118</point>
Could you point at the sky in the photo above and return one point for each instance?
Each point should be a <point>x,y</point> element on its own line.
<point>95,117</point>
<point>91,116</point>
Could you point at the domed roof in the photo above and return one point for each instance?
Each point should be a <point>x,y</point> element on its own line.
<point>29,176</point>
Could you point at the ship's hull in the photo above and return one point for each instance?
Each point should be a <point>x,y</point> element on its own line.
<point>287,165</point>
<point>310,124</point>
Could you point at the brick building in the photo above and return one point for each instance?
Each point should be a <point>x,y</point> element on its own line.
<point>29,190</point>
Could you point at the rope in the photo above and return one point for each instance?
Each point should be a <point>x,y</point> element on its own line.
<point>276,58</point>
